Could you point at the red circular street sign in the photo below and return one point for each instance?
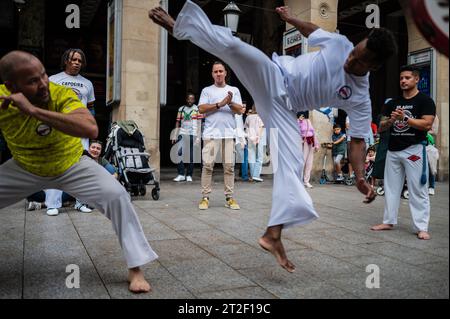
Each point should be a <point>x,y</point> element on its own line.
<point>431,17</point>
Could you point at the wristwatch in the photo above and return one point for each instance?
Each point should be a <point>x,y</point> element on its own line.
<point>217,106</point>
<point>406,118</point>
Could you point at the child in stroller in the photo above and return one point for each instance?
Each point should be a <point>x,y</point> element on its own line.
<point>369,165</point>
<point>125,148</point>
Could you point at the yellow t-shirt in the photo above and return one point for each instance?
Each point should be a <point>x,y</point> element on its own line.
<point>37,147</point>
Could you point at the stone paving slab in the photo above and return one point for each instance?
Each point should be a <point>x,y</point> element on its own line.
<point>214,254</point>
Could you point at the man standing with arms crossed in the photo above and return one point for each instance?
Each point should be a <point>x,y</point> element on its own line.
<point>409,118</point>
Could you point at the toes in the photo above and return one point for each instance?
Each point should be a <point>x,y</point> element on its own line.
<point>424,236</point>
<point>290,267</point>
<point>140,288</point>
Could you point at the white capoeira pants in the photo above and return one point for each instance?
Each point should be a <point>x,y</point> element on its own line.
<point>407,163</point>
<point>291,204</point>
<point>53,198</point>
<point>92,184</point>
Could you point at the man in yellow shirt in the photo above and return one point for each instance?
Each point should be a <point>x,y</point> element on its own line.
<point>42,123</point>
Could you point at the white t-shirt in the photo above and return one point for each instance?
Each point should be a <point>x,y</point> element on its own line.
<point>219,124</point>
<point>82,87</point>
<point>318,79</point>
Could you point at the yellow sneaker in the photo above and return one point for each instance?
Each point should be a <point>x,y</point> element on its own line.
<point>232,204</point>
<point>204,204</point>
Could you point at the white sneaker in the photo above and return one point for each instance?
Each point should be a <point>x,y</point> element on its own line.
<point>308,185</point>
<point>258,179</point>
<point>189,179</point>
<point>83,208</point>
<point>340,178</point>
<point>52,212</point>
<point>431,191</point>
<point>179,178</point>
<point>34,206</point>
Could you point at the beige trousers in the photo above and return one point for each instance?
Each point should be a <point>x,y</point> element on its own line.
<point>210,153</point>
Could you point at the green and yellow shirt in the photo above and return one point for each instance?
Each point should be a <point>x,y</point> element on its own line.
<point>37,147</point>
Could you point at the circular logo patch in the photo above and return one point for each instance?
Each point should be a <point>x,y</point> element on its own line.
<point>400,126</point>
<point>345,92</point>
<point>43,130</point>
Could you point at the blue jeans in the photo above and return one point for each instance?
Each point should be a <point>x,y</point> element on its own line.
<point>186,144</point>
<point>242,158</point>
<point>255,158</point>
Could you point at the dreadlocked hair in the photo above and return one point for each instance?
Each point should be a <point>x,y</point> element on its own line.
<point>69,54</point>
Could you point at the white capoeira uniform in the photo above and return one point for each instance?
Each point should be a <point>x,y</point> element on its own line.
<point>407,163</point>
<point>280,88</point>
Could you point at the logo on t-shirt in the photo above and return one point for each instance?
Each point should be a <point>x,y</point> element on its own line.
<point>78,93</point>
<point>345,92</point>
<point>401,126</point>
<point>43,130</point>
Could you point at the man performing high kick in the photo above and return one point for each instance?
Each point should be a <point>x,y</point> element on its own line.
<point>336,75</point>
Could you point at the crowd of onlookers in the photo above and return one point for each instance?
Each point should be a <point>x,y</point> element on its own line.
<point>252,151</point>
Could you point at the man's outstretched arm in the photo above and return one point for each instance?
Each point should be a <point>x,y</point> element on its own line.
<point>305,28</point>
<point>357,159</point>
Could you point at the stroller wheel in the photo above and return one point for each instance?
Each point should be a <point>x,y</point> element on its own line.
<point>405,194</point>
<point>155,194</point>
<point>142,190</point>
<point>380,191</point>
<point>349,181</point>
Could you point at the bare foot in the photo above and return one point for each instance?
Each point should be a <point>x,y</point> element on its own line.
<point>423,235</point>
<point>367,190</point>
<point>275,247</point>
<point>162,18</point>
<point>138,284</point>
<point>382,227</point>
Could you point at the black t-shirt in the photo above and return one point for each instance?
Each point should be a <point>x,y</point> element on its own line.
<point>402,135</point>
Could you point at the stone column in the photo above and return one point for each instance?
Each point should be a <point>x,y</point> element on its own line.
<point>418,42</point>
<point>323,14</point>
<point>140,73</point>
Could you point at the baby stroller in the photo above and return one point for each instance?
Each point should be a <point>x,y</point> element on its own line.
<point>125,148</point>
<point>369,171</point>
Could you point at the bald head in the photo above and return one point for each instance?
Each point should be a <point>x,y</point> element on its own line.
<point>11,61</point>
<point>22,72</point>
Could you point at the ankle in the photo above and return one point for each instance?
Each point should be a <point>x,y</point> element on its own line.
<point>271,237</point>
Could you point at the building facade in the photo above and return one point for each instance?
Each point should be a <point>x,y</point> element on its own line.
<point>41,27</point>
